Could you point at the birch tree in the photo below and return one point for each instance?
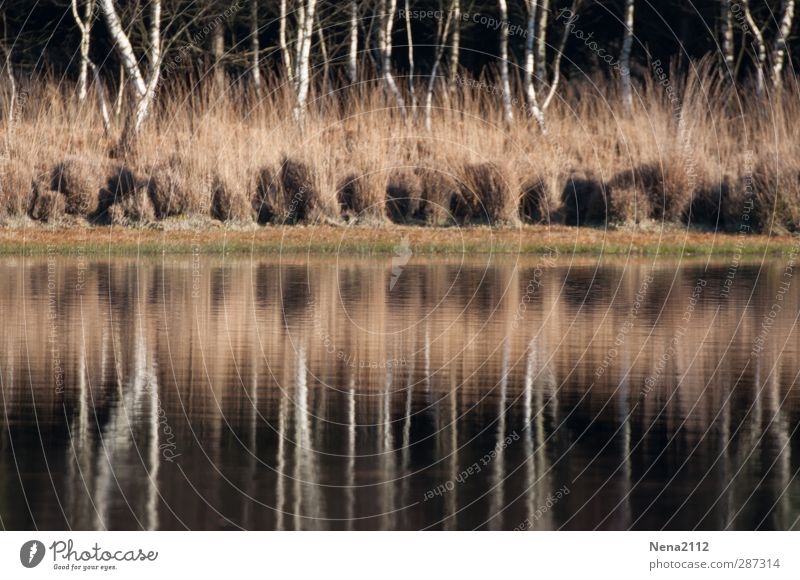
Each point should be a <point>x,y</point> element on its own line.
<point>455,44</point>
<point>282,43</point>
<point>303,57</point>
<point>255,73</point>
<point>84,23</point>
<point>352,56</point>
<point>726,32</point>
<point>508,112</point>
<point>410,42</point>
<point>625,58</point>
<point>760,47</point>
<point>144,89</point>
<point>779,50</point>
<point>218,54</point>
<point>441,34</point>
<point>530,60</point>
<point>387,9</point>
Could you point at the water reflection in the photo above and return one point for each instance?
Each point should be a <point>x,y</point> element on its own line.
<point>292,393</point>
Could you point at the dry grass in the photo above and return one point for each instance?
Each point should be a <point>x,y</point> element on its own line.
<point>234,158</point>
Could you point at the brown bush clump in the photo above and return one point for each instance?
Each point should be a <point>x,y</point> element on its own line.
<point>267,202</point>
<point>45,205</point>
<point>439,192</point>
<point>169,188</point>
<point>79,181</point>
<point>361,196</point>
<point>125,200</point>
<point>774,191</point>
<point>16,187</point>
<point>665,187</point>
<point>486,194</point>
<point>403,195</point>
<point>228,204</point>
<point>583,201</point>
<point>300,190</point>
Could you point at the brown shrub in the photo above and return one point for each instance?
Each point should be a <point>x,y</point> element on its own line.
<point>403,195</point>
<point>486,194</point>
<point>123,182</point>
<point>46,205</point>
<point>228,203</point>
<point>169,188</point>
<point>627,205</point>
<point>267,202</point>
<point>78,180</point>
<point>769,199</point>
<point>667,188</point>
<point>362,196</point>
<point>707,208</point>
<point>300,190</point>
<point>133,209</point>
<point>439,193</point>
<point>16,187</point>
<point>583,201</point>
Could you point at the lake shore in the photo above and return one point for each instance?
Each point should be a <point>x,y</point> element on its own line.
<point>365,240</point>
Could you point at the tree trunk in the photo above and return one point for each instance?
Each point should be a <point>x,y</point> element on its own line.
<point>625,58</point>
<point>352,57</point>
<point>218,54</point>
<point>440,44</point>
<point>303,64</point>
<point>726,18</point>
<point>410,39</point>
<point>123,47</point>
<point>84,23</point>
<point>505,80</point>
<point>287,57</point>
<point>530,60</point>
<point>760,46</point>
<point>387,11</point>
<point>541,41</point>
<point>255,46</point>
<point>779,51</point>
<point>455,45</point>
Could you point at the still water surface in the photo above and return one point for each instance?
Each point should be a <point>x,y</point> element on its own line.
<point>304,393</point>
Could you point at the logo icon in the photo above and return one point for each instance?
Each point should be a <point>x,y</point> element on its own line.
<point>402,254</point>
<point>31,553</point>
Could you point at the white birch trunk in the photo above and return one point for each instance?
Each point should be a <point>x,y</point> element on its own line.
<point>218,54</point>
<point>530,60</point>
<point>84,24</point>
<point>410,39</point>
<point>455,45</point>
<point>387,11</point>
<point>557,61</point>
<point>255,47</point>
<point>625,57</point>
<point>726,18</point>
<point>123,47</point>
<point>284,47</point>
<point>779,51</point>
<point>508,112</point>
<point>440,43</point>
<point>303,64</point>
<point>760,46</point>
<point>541,41</point>
<point>352,57</point>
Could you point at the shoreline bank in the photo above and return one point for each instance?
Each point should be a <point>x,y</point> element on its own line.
<point>364,240</point>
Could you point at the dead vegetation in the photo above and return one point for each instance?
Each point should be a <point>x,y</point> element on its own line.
<point>361,162</point>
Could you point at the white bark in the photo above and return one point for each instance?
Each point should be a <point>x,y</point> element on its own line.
<point>530,60</point>
<point>387,11</point>
<point>352,57</point>
<point>541,41</point>
<point>287,57</point>
<point>440,45</point>
<point>779,51</point>
<point>625,57</point>
<point>508,112</point>
<point>303,64</point>
<point>410,39</point>
<point>557,61</point>
<point>760,45</point>
<point>101,99</point>
<point>84,23</point>
<point>255,46</point>
<point>218,54</point>
<point>455,44</point>
<point>726,18</point>
<point>145,91</point>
